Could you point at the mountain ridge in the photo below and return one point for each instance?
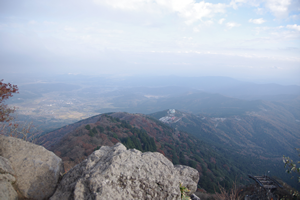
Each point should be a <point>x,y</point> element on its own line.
<point>146,134</point>
<point>261,136</point>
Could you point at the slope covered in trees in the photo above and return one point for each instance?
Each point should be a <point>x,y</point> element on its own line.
<point>148,134</point>
<point>256,141</point>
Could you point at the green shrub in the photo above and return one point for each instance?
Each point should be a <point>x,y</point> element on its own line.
<point>183,191</point>
<point>97,148</point>
<point>101,129</point>
<point>88,127</point>
<point>115,135</point>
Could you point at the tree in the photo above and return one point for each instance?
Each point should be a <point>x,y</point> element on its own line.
<point>88,127</point>
<point>6,91</point>
<point>175,159</point>
<point>193,164</point>
<point>291,165</point>
<point>101,129</point>
<point>7,125</point>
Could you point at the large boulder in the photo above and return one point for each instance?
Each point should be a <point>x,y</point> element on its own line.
<point>188,177</point>
<point>117,173</point>
<point>7,178</point>
<point>36,169</point>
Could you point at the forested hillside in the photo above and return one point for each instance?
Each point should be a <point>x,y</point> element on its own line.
<point>148,134</point>
<point>256,141</point>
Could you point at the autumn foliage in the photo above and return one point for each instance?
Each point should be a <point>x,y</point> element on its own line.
<point>6,91</point>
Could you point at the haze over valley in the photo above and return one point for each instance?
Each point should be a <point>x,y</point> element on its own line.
<point>254,123</point>
<point>70,98</point>
<point>214,85</point>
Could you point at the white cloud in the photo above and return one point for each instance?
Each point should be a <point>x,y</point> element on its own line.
<point>221,21</point>
<point>196,11</point>
<point>236,3</point>
<point>257,21</point>
<point>196,29</point>
<point>190,10</point>
<point>279,34</point>
<point>295,17</point>
<point>280,8</point>
<point>295,27</point>
<point>49,23</point>
<point>208,22</point>
<point>187,38</point>
<point>232,24</point>
<point>71,29</point>
<point>125,4</point>
<point>260,11</point>
<point>32,22</point>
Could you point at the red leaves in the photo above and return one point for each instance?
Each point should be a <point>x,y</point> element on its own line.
<point>161,151</point>
<point>6,91</point>
<point>114,140</point>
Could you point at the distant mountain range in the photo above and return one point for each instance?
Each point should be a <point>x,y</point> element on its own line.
<point>64,99</point>
<point>197,102</point>
<point>214,84</point>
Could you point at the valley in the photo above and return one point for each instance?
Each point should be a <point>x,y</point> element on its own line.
<point>223,137</point>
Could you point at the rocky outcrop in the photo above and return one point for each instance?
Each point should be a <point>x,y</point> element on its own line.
<point>36,169</point>
<point>7,178</point>
<point>29,171</point>
<point>118,173</point>
<point>188,177</point>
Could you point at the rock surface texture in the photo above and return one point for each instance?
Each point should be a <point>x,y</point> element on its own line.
<point>36,169</point>
<point>194,197</point>
<point>7,178</point>
<point>117,173</point>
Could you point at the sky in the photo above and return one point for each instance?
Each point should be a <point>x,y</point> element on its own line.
<point>256,40</point>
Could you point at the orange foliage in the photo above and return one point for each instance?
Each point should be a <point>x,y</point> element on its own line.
<point>87,146</point>
<point>6,91</point>
<point>161,151</point>
<point>213,160</point>
<point>103,136</point>
<point>114,140</point>
<point>130,134</point>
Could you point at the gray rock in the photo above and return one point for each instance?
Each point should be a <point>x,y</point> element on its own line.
<point>188,177</point>
<point>37,170</point>
<point>7,191</point>
<point>7,178</point>
<point>117,173</point>
<point>194,197</point>
<point>5,166</point>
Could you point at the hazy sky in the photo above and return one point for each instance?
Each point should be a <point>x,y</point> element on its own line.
<point>245,39</point>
